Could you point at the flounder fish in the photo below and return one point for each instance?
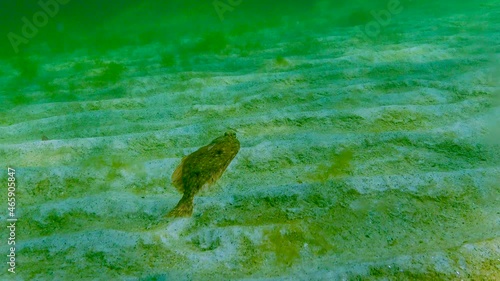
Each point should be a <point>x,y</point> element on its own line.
<point>201,169</point>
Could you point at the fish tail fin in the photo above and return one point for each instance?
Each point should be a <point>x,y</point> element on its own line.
<point>184,208</point>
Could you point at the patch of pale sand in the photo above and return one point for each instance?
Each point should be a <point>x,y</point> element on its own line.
<point>106,240</point>
<point>103,204</point>
<point>472,258</point>
<point>401,53</point>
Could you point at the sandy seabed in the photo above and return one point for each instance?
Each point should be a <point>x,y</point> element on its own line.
<point>361,159</point>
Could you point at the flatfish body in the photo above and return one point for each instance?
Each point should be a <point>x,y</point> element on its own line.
<point>201,169</point>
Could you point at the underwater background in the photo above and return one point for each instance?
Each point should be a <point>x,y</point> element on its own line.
<point>369,138</point>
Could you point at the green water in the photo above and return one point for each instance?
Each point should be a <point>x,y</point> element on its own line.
<point>368,129</point>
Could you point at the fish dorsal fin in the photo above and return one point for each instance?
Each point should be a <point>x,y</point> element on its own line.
<point>177,177</point>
